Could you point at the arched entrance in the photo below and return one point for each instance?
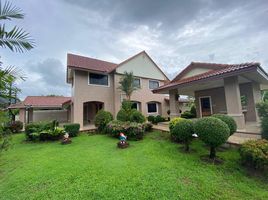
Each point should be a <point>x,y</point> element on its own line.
<point>90,110</point>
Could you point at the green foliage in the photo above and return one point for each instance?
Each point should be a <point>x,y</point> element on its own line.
<point>262,108</point>
<point>133,130</point>
<point>127,84</point>
<point>156,119</point>
<point>148,126</point>
<point>183,131</point>
<point>189,114</point>
<point>43,131</point>
<point>72,129</point>
<point>264,127</point>
<point>228,120</point>
<point>174,121</point>
<point>122,115</point>
<point>254,153</point>
<point>102,118</point>
<point>265,95</point>
<point>137,116</point>
<point>212,131</point>
<point>15,126</point>
<point>127,106</point>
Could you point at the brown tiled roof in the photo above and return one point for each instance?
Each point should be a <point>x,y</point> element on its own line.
<point>224,69</point>
<point>42,101</point>
<point>82,62</point>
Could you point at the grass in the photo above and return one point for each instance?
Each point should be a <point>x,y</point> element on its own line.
<point>93,168</point>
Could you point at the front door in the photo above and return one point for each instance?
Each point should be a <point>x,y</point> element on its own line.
<point>205,106</point>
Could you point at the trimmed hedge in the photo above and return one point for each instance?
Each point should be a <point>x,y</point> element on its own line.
<point>133,130</point>
<point>72,129</point>
<point>156,119</point>
<point>102,118</point>
<point>183,131</point>
<point>254,153</point>
<point>137,116</point>
<point>174,121</point>
<point>123,116</point>
<point>212,131</point>
<point>14,127</point>
<point>228,120</point>
<point>148,126</point>
<point>263,113</point>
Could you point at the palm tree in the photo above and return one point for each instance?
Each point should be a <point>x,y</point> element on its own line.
<point>15,39</point>
<point>127,84</point>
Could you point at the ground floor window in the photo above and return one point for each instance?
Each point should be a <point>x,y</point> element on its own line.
<point>152,107</point>
<point>135,105</point>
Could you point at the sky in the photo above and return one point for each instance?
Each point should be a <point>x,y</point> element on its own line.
<point>173,32</point>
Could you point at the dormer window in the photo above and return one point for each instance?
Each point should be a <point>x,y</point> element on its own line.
<point>98,79</point>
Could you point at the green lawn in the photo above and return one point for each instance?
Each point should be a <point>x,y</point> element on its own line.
<point>93,168</point>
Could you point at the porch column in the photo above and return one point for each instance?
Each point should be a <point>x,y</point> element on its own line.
<point>233,101</point>
<point>256,97</point>
<point>173,103</point>
<point>30,115</point>
<point>78,112</point>
<point>22,115</point>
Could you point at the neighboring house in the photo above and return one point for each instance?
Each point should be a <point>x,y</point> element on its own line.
<point>43,108</point>
<point>95,86</point>
<point>218,88</point>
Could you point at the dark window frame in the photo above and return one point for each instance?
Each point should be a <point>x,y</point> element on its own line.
<point>154,82</point>
<point>90,82</point>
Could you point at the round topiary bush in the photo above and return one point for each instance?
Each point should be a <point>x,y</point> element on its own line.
<point>122,115</point>
<point>229,121</point>
<point>136,116</point>
<point>212,131</point>
<point>102,118</point>
<point>183,131</point>
<point>174,121</point>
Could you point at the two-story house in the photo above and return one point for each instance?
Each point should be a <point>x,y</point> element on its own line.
<point>95,86</point>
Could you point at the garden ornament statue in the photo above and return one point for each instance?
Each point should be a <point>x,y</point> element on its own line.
<point>122,143</point>
<point>66,139</point>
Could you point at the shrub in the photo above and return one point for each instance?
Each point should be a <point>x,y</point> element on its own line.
<point>55,134</point>
<point>102,118</point>
<point>43,131</point>
<point>213,132</point>
<point>159,118</point>
<point>148,126</point>
<point>136,116</point>
<point>133,130</point>
<point>262,108</point>
<point>37,127</point>
<point>122,115</point>
<point>229,121</point>
<point>15,126</point>
<point>174,121</point>
<point>187,115</point>
<point>254,153</point>
<point>183,131</point>
<point>72,129</point>
<point>193,111</point>
<point>127,105</point>
<point>151,118</point>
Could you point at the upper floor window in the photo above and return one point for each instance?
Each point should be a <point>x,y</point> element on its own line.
<point>153,84</point>
<point>137,82</point>
<point>98,79</point>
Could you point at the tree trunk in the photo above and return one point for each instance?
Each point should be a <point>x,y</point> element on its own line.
<point>187,148</point>
<point>212,152</point>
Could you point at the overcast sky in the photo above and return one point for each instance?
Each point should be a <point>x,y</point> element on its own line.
<point>173,32</point>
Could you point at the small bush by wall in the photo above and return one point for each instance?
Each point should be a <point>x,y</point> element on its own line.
<point>133,130</point>
<point>212,131</point>
<point>72,129</point>
<point>229,121</point>
<point>156,119</point>
<point>148,126</point>
<point>15,126</point>
<point>102,118</point>
<point>174,121</point>
<point>262,108</point>
<point>254,154</point>
<point>136,116</point>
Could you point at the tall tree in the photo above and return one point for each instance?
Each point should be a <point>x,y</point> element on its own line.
<point>127,84</point>
<point>18,40</point>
